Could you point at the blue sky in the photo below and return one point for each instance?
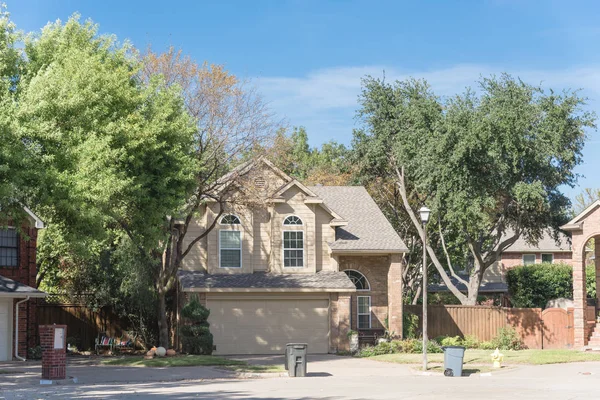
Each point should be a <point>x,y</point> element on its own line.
<point>307,57</point>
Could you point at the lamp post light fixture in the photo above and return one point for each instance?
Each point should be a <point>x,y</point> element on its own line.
<point>424,213</point>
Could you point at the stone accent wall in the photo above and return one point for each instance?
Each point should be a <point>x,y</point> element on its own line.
<point>376,270</point>
<point>25,273</point>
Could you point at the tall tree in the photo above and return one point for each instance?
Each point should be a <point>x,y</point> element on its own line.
<point>584,199</point>
<point>489,165</point>
<point>117,151</point>
<point>231,119</point>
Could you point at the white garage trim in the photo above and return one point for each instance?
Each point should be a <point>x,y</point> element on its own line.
<point>254,324</point>
<point>6,323</point>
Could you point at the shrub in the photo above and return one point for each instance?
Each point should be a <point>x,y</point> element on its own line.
<point>410,326</point>
<point>471,342</point>
<point>399,346</point>
<point>507,339</point>
<point>535,285</point>
<point>451,341</point>
<point>35,353</point>
<point>195,334</point>
<point>487,346</point>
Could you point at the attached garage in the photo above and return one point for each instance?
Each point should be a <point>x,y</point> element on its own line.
<point>263,325</point>
<point>260,313</point>
<point>10,291</point>
<point>5,330</point>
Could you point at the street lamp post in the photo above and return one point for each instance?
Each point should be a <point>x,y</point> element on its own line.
<point>424,212</point>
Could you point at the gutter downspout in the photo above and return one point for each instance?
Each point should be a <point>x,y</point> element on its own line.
<point>17,356</point>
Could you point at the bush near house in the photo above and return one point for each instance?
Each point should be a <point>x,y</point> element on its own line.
<point>507,339</point>
<point>534,285</point>
<point>195,334</point>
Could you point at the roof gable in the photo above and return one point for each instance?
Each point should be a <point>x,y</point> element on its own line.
<point>576,222</point>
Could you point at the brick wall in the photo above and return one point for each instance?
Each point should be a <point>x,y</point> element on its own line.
<point>375,269</point>
<point>510,260</point>
<point>25,273</point>
<point>54,361</point>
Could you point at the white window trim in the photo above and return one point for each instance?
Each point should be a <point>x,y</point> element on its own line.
<point>547,254</point>
<point>233,215</point>
<point>358,313</point>
<point>241,248</point>
<point>293,215</point>
<point>283,249</point>
<point>364,276</point>
<point>529,254</point>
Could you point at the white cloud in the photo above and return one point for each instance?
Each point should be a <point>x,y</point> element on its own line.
<point>338,88</point>
<point>325,101</point>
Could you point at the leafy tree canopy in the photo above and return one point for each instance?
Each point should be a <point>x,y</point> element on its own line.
<point>489,164</point>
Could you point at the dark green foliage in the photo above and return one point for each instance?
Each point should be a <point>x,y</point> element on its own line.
<point>507,339</point>
<point>195,334</point>
<point>590,281</point>
<point>534,285</point>
<point>35,353</point>
<point>409,346</point>
<point>410,326</point>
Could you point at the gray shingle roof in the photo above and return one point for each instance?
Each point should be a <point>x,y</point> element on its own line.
<point>546,243</point>
<point>10,288</point>
<point>367,229</point>
<point>325,280</point>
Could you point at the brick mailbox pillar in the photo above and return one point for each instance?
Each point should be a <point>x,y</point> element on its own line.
<point>53,340</point>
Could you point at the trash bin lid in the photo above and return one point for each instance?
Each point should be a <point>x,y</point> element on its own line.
<point>453,347</point>
<point>297,344</point>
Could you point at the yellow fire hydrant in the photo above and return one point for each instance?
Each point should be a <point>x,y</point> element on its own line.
<point>497,358</point>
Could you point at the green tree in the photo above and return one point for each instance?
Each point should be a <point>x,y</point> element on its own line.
<point>117,150</point>
<point>489,165</point>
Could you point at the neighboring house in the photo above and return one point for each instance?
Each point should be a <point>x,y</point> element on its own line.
<point>289,263</point>
<point>18,271</point>
<point>520,253</point>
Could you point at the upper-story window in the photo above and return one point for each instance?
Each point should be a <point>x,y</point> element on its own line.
<point>230,219</point>
<point>9,248</point>
<point>292,220</point>
<point>230,243</point>
<point>359,280</point>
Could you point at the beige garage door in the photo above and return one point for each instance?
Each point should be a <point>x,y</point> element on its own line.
<point>249,325</point>
<point>5,332</point>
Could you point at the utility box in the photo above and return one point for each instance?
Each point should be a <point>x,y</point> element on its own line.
<point>295,359</point>
<point>53,340</point>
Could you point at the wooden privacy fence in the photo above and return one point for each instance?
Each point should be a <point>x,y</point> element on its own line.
<point>83,324</point>
<point>552,328</point>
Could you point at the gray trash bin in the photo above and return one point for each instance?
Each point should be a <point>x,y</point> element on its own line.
<point>295,359</point>
<point>453,360</point>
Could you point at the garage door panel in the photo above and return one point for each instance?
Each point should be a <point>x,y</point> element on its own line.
<point>264,326</point>
<point>5,332</point>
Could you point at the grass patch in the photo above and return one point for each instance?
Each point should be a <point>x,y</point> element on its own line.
<point>177,361</point>
<point>482,357</point>
<point>255,368</point>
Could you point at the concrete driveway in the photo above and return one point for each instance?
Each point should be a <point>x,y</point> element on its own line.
<point>338,378</point>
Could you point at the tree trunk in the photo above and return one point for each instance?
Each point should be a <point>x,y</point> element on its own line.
<point>163,329</point>
<point>472,290</point>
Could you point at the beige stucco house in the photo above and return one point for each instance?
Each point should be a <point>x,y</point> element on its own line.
<point>289,263</point>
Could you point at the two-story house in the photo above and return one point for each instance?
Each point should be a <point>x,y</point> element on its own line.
<point>18,271</point>
<point>289,263</point>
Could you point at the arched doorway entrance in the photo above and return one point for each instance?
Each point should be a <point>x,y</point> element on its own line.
<point>585,229</point>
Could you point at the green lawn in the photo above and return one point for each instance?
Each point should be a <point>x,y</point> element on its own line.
<point>178,361</point>
<point>255,368</point>
<point>482,357</point>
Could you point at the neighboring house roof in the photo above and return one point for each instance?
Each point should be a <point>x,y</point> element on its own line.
<point>10,288</point>
<point>322,281</point>
<point>545,244</point>
<point>485,287</point>
<point>367,229</point>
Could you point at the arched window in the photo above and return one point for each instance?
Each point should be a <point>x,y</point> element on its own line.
<point>292,220</point>
<point>230,219</point>
<point>359,280</point>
